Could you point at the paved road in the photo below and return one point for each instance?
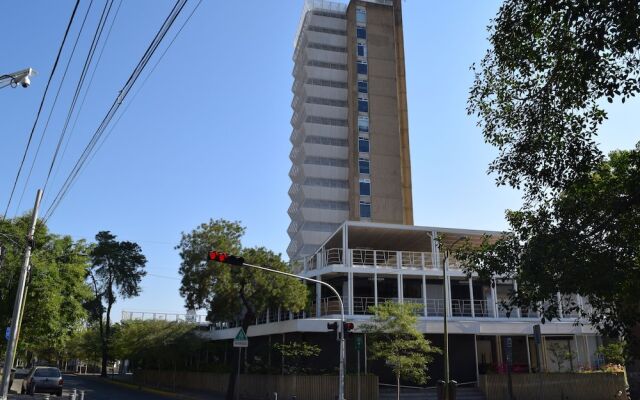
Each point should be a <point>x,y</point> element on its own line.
<point>94,389</point>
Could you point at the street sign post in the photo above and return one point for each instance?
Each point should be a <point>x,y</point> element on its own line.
<point>358,343</point>
<point>508,347</point>
<point>241,339</point>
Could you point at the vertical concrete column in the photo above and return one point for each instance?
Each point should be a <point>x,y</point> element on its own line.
<point>400,288</point>
<point>560,310</point>
<point>424,294</point>
<point>494,294</point>
<point>515,289</point>
<point>375,288</point>
<point>318,297</point>
<point>526,339</point>
<point>473,311</point>
<point>350,293</point>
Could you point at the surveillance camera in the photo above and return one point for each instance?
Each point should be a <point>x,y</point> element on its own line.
<point>25,82</point>
<point>21,78</point>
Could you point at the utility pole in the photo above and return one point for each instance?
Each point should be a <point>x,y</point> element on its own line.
<point>17,306</point>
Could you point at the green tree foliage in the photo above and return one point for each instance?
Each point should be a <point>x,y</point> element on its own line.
<point>397,340</point>
<point>117,270</point>
<point>538,92</point>
<point>613,353</point>
<point>56,287</point>
<point>295,354</point>
<point>154,344</point>
<point>230,292</point>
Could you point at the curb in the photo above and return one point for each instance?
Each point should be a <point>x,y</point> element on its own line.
<point>141,388</point>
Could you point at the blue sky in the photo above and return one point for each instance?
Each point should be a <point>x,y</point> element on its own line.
<point>208,134</point>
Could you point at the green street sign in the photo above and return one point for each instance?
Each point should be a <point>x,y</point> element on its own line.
<point>358,343</point>
<point>241,339</point>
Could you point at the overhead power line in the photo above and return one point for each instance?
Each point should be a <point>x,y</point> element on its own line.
<point>44,96</point>
<point>175,12</point>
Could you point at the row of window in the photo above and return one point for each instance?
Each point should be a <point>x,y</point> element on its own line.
<point>326,182</point>
<point>326,121</point>
<point>333,162</point>
<point>323,64</point>
<point>328,47</point>
<point>326,82</point>
<point>319,226</point>
<point>326,102</point>
<point>327,30</point>
<point>326,204</point>
<point>362,68</point>
<point>329,141</point>
<point>365,187</point>
<point>329,14</point>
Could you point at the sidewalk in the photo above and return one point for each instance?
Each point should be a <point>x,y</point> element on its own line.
<point>127,381</point>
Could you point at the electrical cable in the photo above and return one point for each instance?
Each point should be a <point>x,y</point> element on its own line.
<point>53,106</point>
<point>44,96</point>
<point>116,104</point>
<point>76,95</point>
<point>84,97</point>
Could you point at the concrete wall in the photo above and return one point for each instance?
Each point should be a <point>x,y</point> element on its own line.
<point>566,386</point>
<point>263,386</point>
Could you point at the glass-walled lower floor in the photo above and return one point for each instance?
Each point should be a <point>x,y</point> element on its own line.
<point>469,355</point>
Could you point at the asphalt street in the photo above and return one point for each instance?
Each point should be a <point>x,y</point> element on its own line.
<point>94,389</point>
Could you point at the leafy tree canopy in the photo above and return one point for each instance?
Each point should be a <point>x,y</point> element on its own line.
<point>232,292</point>
<point>397,340</point>
<point>56,287</point>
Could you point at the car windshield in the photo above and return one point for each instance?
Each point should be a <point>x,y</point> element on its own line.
<point>47,372</point>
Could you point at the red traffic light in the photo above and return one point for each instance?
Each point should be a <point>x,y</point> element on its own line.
<point>223,257</point>
<point>348,326</point>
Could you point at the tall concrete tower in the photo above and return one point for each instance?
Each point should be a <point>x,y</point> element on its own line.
<point>350,131</point>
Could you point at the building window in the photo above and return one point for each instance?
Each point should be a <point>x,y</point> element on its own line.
<point>361,15</point>
<point>363,105</point>
<point>363,144</point>
<point>363,86</point>
<point>362,67</point>
<point>363,123</point>
<point>365,187</point>
<point>365,209</point>
<point>363,166</point>
<point>361,32</point>
<point>362,50</point>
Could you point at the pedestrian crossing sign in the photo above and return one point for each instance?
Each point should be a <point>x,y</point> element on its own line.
<point>241,339</point>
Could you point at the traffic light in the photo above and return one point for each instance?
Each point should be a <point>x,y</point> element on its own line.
<point>348,327</point>
<point>332,326</point>
<point>225,258</point>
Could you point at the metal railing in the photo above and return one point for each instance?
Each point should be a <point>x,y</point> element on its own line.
<point>333,257</point>
<point>461,308</point>
<point>159,316</point>
<point>435,307</point>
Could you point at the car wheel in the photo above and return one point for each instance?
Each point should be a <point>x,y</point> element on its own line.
<point>33,389</point>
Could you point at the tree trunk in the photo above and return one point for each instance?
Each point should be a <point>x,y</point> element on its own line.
<point>398,386</point>
<point>107,334</point>
<point>235,359</point>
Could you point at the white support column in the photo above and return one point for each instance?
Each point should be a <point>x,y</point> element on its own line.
<point>515,289</point>
<point>586,346</point>
<point>422,266</point>
<point>318,297</point>
<point>560,311</point>
<point>447,282</point>
<point>473,311</point>
<point>400,288</point>
<point>494,294</point>
<point>346,254</point>
<point>399,260</point>
<point>350,293</point>
<point>424,294</point>
<point>375,288</point>
<point>526,338</point>
<point>575,340</point>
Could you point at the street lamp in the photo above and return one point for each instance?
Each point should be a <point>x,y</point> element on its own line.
<point>445,293</point>
<point>230,259</point>
<point>21,78</point>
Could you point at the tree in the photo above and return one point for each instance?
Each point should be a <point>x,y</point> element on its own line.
<point>56,287</point>
<point>117,269</point>
<point>231,293</point>
<point>613,353</point>
<point>561,354</point>
<point>397,340</point>
<point>295,353</point>
<point>539,95</point>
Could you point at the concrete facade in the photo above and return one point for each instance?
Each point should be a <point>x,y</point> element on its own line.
<point>341,171</point>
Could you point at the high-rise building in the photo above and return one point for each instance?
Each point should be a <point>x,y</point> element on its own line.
<point>350,136</point>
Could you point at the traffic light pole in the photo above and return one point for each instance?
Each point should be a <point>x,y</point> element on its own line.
<point>343,355</point>
<point>17,307</point>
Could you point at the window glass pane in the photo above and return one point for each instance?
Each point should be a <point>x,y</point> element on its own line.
<point>363,164</point>
<point>362,67</point>
<point>362,50</point>
<point>363,123</point>
<point>365,210</point>
<point>361,15</point>
<point>365,188</point>
<point>363,105</point>
<point>361,32</point>
<point>363,145</point>
<point>363,86</point>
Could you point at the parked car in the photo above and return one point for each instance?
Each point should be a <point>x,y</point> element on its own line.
<point>43,380</point>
